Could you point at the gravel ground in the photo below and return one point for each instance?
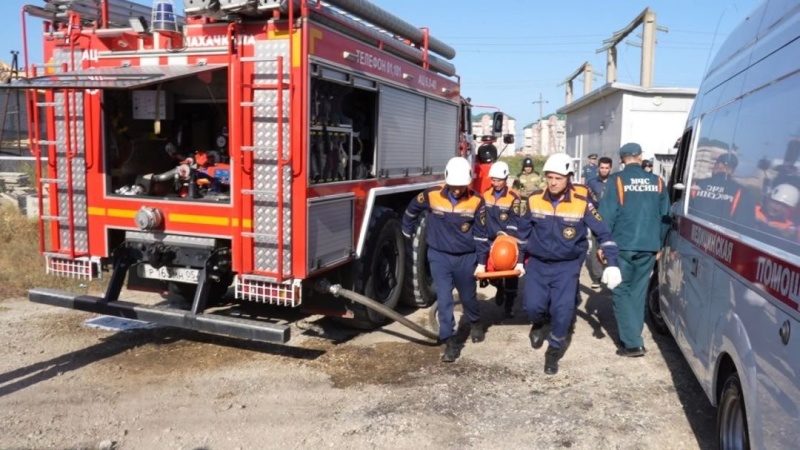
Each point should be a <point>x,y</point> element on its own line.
<point>64,385</point>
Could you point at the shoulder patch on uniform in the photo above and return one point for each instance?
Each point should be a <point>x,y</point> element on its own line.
<point>421,197</point>
<point>482,216</point>
<point>515,206</point>
<point>594,212</point>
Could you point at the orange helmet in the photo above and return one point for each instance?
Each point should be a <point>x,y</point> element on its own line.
<point>504,253</point>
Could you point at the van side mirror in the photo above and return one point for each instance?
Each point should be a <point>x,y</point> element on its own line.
<point>497,123</point>
<point>508,139</point>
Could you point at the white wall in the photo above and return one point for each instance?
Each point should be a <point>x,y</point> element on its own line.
<point>654,122</point>
<point>584,135</point>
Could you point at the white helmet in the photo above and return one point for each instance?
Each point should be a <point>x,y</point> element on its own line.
<point>458,172</point>
<point>786,194</point>
<point>560,163</point>
<point>499,170</point>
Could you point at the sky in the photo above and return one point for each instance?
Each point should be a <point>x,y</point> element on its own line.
<point>511,51</point>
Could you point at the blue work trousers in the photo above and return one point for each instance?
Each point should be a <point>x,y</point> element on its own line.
<point>449,271</point>
<point>629,297</point>
<point>551,287</point>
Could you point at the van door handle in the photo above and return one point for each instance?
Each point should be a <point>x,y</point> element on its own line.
<point>785,332</point>
<point>695,264</point>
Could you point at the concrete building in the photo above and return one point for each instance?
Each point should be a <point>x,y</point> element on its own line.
<point>546,136</point>
<point>617,113</point>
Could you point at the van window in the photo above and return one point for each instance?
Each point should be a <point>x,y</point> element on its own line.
<point>715,193</point>
<point>769,164</point>
<point>678,173</point>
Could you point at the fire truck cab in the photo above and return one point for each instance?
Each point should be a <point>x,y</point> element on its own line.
<point>250,144</point>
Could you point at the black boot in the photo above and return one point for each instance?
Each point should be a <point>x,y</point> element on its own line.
<point>551,357</point>
<point>500,296</point>
<point>537,334</point>
<point>509,304</point>
<point>451,350</point>
<point>476,333</point>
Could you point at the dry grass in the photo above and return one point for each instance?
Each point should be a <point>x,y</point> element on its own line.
<point>21,265</point>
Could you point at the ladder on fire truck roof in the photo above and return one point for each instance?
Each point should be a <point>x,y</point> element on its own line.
<point>107,13</point>
<point>360,19</point>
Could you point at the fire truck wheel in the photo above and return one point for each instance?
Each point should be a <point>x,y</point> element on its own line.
<point>381,268</point>
<point>418,289</point>
<point>181,295</point>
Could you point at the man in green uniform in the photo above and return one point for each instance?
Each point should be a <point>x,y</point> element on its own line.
<point>636,209</point>
<point>528,181</point>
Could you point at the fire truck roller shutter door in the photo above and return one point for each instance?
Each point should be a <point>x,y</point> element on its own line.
<point>400,132</point>
<point>440,145</point>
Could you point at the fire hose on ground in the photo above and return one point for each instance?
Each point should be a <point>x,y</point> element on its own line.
<point>338,291</point>
<point>503,259</point>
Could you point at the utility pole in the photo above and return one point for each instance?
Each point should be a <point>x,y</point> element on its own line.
<point>541,103</point>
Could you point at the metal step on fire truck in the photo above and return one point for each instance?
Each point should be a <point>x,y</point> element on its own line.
<point>262,144</point>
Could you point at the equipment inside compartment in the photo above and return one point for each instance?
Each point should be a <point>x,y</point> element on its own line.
<point>169,140</point>
<point>342,139</point>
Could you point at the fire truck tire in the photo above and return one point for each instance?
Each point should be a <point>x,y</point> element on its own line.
<point>418,288</point>
<point>380,270</point>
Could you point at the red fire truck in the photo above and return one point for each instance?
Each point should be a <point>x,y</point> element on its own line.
<point>252,144</point>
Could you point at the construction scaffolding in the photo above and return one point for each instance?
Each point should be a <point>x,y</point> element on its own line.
<point>13,113</point>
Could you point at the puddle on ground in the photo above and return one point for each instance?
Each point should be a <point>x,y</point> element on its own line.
<point>387,363</point>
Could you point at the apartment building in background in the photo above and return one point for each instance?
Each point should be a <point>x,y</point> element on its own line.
<point>545,136</point>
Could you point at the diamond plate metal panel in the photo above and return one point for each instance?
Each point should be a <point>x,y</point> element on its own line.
<point>77,138</point>
<point>266,177</point>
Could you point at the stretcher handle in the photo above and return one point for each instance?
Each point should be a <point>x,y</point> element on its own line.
<point>498,274</point>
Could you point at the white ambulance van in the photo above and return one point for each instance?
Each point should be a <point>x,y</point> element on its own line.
<point>729,276</point>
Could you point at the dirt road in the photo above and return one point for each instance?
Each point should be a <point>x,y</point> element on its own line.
<point>64,385</point>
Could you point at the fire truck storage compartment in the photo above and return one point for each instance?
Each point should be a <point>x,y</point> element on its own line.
<point>413,133</point>
<point>331,221</point>
<point>168,139</point>
<point>343,116</point>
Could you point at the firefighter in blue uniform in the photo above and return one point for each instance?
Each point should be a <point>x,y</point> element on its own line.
<point>456,242</point>
<point>502,209</point>
<point>636,208</point>
<point>597,186</point>
<point>553,231</point>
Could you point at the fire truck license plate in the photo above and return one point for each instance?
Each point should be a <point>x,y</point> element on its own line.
<point>180,274</point>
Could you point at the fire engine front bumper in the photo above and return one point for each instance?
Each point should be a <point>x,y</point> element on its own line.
<point>207,323</point>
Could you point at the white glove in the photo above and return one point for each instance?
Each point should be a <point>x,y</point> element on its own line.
<point>611,277</point>
<point>521,269</point>
<point>480,269</point>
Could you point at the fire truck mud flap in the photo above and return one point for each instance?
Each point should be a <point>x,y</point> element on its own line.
<point>206,323</point>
